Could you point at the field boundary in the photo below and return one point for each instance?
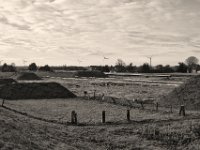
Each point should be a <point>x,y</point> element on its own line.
<point>137,104</point>
<point>145,121</point>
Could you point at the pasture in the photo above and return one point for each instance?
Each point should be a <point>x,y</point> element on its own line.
<point>130,88</point>
<point>46,123</point>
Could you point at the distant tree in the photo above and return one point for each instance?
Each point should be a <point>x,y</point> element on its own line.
<point>182,67</point>
<point>8,68</point>
<point>167,69</point>
<point>145,68</point>
<point>131,68</point>
<point>106,68</point>
<point>120,66</point>
<point>45,68</point>
<point>198,67</point>
<point>192,63</point>
<point>32,67</point>
<point>4,68</point>
<point>159,69</point>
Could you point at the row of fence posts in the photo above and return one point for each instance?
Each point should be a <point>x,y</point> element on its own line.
<point>181,111</point>
<point>74,119</point>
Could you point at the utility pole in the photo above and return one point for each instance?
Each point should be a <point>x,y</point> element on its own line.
<point>150,60</point>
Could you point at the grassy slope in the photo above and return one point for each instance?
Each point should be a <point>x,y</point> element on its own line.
<point>20,132</point>
<point>89,112</point>
<point>187,94</point>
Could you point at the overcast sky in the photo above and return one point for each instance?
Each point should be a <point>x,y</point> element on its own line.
<point>58,32</point>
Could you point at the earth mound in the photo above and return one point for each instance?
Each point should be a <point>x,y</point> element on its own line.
<point>7,81</point>
<point>188,94</point>
<point>29,76</point>
<point>35,91</point>
<point>97,74</point>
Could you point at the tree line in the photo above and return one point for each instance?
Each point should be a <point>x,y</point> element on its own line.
<point>191,64</point>
<point>32,67</point>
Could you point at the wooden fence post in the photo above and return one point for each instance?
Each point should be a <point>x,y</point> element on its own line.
<point>74,117</point>
<point>103,117</point>
<point>103,97</point>
<point>156,106</point>
<point>3,102</point>
<point>142,104</point>
<point>182,110</point>
<point>85,94</point>
<point>171,109</point>
<point>128,115</point>
<point>94,94</point>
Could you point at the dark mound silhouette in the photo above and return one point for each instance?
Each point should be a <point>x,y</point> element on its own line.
<point>187,94</point>
<point>29,76</point>
<point>35,91</point>
<point>7,81</point>
<point>97,74</point>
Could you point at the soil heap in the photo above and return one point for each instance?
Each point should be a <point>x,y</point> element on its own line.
<point>35,91</point>
<point>28,76</point>
<point>7,81</point>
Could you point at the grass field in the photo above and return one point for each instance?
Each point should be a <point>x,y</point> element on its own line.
<point>22,132</point>
<point>89,112</point>
<point>43,124</point>
<point>129,88</point>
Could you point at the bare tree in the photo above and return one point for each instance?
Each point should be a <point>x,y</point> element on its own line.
<point>192,63</point>
<point>120,65</point>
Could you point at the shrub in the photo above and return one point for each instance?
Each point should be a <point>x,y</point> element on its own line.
<point>32,67</point>
<point>45,68</point>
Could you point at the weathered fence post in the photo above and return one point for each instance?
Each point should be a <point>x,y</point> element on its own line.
<point>142,104</point>
<point>94,94</point>
<point>3,102</point>
<point>103,97</point>
<point>171,109</point>
<point>157,106</point>
<point>103,117</point>
<point>85,94</point>
<point>128,115</point>
<point>73,117</point>
<point>182,110</point>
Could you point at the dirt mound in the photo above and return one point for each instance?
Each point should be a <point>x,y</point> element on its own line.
<point>187,94</point>
<point>29,76</point>
<point>35,91</point>
<point>97,74</point>
<point>7,81</point>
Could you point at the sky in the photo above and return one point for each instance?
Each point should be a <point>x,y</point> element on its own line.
<point>83,32</point>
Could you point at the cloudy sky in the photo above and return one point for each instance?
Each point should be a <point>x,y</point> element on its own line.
<point>74,32</point>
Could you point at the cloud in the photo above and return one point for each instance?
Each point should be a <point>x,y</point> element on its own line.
<point>60,31</point>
